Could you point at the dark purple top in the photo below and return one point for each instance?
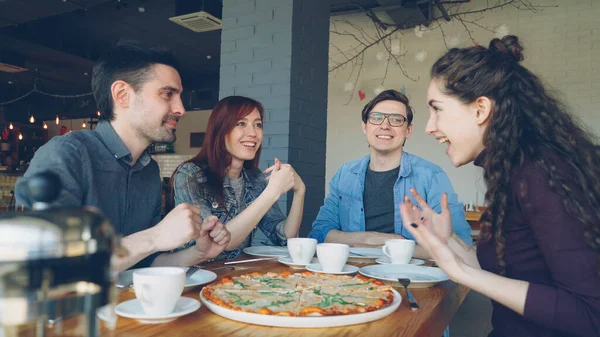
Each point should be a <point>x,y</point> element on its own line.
<point>545,247</point>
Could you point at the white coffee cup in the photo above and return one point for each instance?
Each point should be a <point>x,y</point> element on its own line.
<point>332,256</point>
<point>302,250</point>
<point>400,251</point>
<point>158,289</point>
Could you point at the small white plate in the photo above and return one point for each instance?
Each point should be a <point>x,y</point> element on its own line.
<point>348,269</point>
<point>133,309</point>
<point>287,260</point>
<point>200,277</point>
<point>268,251</point>
<point>386,260</point>
<point>420,276</point>
<point>365,253</point>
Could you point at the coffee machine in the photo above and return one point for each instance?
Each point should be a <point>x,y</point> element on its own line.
<point>54,263</point>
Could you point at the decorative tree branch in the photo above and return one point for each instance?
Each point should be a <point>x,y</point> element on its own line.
<point>353,55</point>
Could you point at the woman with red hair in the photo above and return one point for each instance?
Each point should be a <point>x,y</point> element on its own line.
<point>224,179</point>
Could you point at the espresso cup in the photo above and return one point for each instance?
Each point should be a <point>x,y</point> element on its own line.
<point>302,250</point>
<point>332,256</point>
<point>400,251</point>
<point>158,289</point>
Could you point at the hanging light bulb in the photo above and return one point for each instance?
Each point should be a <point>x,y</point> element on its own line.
<point>57,120</point>
<point>71,130</point>
<point>98,113</point>
<point>10,126</point>
<point>20,136</point>
<point>45,125</point>
<point>31,119</point>
<point>83,125</point>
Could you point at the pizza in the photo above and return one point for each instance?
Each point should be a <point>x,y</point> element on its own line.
<point>299,294</point>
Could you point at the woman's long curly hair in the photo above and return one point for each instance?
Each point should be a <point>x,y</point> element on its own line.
<point>526,121</point>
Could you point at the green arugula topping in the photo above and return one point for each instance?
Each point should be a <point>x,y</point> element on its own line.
<point>354,284</point>
<point>239,301</point>
<point>278,303</point>
<point>239,283</point>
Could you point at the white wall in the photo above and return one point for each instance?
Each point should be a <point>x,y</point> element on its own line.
<point>562,45</point>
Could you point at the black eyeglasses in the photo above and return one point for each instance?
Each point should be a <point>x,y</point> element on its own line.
<point>377,118</point>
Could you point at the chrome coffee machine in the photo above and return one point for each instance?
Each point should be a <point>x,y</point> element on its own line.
<point>54,263</point>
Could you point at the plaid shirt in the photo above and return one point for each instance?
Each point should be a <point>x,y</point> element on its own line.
<point>190,187</point>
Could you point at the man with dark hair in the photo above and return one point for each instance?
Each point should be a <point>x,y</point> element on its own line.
<point>363,204</point>
<point>138,92</point>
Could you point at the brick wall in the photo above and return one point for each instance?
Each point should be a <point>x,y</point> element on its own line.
<point>169,162</point>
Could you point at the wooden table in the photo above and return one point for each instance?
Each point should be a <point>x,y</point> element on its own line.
<point>438,305</point>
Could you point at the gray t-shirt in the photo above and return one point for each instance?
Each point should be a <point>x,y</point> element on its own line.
<point>379,200</point>
<point>238,190</point>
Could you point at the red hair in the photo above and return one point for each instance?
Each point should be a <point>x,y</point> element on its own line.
<point>223,119</point>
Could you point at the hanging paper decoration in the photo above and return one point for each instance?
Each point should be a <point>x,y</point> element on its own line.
<point>378,89</point>
<point>421,55</point>
<point>380,56</point>
<point>361,95</point>
<point>395,47</point>
<point>403,90</point>
<point>453,40</point>
<point>348,86</point>
<point>501,31</point>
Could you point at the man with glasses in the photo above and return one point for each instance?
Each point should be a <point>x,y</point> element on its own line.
<point>362,207</point>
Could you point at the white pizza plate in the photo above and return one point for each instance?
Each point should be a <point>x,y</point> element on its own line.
<point>420,276</point>
<point>287,260</point>
<point>387,260</point>
<point>365,253</point>
<point>133,309</point>
<point>267,251</point>
<point>200,277</point>
<point>304,322</point>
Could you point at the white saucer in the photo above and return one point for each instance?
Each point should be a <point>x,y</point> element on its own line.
<point>200,277</point>
<point>133,309</point>
<point>287,260</point>
<point>267,251</point>
<point>348,269</point>
<point>386,260</point>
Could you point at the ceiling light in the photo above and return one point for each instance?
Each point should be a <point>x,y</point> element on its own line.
<point>57,120</point>
<point>31,119</point>
<point>10,126</point>
<point>45,125</point>
<point>10,82</point>
<point>20,136</point>
<point>208,57</point>
<point>141,9</point>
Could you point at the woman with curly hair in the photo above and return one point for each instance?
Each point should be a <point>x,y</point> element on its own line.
<point>538,252</point>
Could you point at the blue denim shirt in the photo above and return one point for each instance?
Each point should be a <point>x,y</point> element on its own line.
<point>343,208</point>
<point>190,187</point>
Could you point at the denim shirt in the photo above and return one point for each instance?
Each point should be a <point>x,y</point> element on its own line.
<point>190,187</point>
<point>344,207</point>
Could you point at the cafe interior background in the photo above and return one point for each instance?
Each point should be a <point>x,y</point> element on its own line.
<point>48,48</point>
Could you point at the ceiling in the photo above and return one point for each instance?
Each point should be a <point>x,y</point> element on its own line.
<point>58,41</point>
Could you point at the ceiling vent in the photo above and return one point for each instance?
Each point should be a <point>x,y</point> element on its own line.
<point>198,22</point>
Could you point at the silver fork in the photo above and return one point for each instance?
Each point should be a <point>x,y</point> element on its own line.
<point>413,303</point>
<point>191,271</point>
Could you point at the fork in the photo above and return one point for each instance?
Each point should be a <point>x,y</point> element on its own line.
<point>413,303</point>
<point>191,271</point>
